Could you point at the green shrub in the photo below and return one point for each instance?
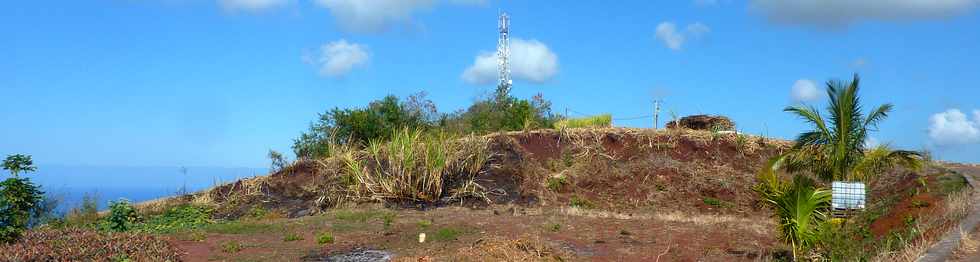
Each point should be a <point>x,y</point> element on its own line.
<point>554,227</point>
<point>231,246</point>
<point>122,216</point>
<point>447,234</point>
<point>423,224</point>
<point>324,238</point>
<point>555,183</point>
<point>603,120</point>
<point>289,237</point>
<point>178,218</point>
<point>358,126</point>
<point>580,202</point>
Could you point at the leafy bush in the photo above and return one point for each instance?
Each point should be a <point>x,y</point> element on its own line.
<point>231,246</point>
<point>122,216</point>
<point>290,237</point>
<point>418,167</point>
<point>501,114</point>
<point>18,199</point>
<point>177,218</point>
<point>580,202</point>
<point>800,207</point>
<point>362,125</point>
<point>324,238</point>
<point>603,120</point>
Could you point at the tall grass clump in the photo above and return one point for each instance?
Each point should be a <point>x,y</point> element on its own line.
<point>603,120</point>
<point>417,166</point>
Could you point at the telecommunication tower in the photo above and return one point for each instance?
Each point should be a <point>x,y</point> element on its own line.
<point>503,54</point>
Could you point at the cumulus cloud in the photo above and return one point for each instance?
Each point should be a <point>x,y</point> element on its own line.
<point>252,5</point>
<point>337,58</point>
<point>805,90</point>
<point>953,127</point>
<point>667,33</point>
<point>840,13</point>
<point>530,60</point>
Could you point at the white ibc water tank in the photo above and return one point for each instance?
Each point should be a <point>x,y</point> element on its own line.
<point>848,195</point>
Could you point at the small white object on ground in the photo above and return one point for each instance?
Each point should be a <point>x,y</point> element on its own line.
<point>421,237</point>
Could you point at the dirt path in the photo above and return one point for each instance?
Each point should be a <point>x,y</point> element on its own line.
<point>954,246</point>
<point>577,236</point>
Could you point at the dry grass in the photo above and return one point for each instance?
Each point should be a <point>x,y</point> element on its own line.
<point>75,244</point>
<point>502,249</point>
<point>416,166</point>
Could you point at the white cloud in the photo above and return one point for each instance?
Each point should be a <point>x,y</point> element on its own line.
<point>673,39</point>
<point>252,5</point>
<point>530,60</point>
<point>667,32</point>
<point>372,15</point>
<point>805,90</point>
<point>337,58</point>
<point>952,127</point>
<point>840,13</point>
<point>378,15</point>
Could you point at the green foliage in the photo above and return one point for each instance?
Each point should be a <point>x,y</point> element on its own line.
<point>715,202</point>
<point>122,216</point>
<point>835,150</point>
<point>238,227</point>
<point>361,125</point>
<point>555,183</point>
<point>580,202</point>
<point>18,200</point>
<point>387,219</point>
<point>800,207</point>
<point>603,120</point>
<point>178,218</point>
<point>324,238</point>
<point>290,237</point>
<point>555,227</point>
<point>231,246</point>
<point>423,224</point>
<point>278,161</point>
<point>447,234</point>
<point>18,163</point>
<point>501,114</point>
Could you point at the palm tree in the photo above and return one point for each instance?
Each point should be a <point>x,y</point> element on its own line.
<point>831,151</point>
<point>835,149</point>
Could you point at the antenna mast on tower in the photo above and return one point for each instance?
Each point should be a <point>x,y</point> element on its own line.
<point>503,54</point>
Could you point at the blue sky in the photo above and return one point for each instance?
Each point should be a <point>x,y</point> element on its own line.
<point>218,83</point>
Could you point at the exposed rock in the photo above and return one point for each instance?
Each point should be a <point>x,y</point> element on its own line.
<point>704,122</point>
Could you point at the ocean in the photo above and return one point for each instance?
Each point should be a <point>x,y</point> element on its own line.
<point>69,184</point>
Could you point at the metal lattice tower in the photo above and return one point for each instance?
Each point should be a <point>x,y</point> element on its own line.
<point>503,54</point>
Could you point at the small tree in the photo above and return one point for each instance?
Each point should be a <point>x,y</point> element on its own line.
<point>278,161</point>
<point>18,163</point>
<point>18,198</point>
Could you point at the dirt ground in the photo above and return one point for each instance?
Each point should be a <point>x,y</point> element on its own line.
<point>570,234</point>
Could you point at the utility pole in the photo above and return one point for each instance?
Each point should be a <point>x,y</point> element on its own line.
<point>656,114</point>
